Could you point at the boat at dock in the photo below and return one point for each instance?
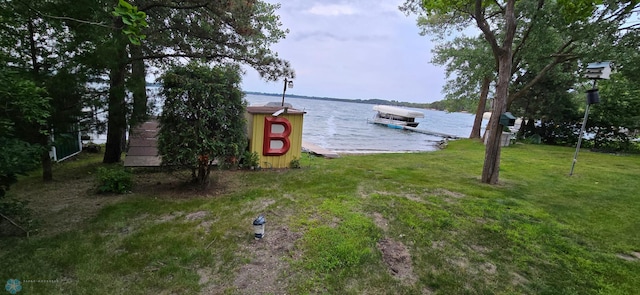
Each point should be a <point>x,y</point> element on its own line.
<point>395,117</point>
<point>400,118</point>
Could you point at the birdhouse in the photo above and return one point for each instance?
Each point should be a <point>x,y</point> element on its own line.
<point>598,70</point>
<point>507,119</point>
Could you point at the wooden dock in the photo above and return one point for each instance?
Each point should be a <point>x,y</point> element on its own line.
<point>443,135</point>
<point>143,146</point>
<point>314,149</point>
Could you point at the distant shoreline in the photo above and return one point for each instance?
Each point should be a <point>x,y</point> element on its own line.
<point>427,106</point>
<point>366,101</point>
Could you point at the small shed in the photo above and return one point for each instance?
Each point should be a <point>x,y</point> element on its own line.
<point>275,134</point>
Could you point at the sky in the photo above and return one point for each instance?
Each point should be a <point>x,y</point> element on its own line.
<point>353,49</point>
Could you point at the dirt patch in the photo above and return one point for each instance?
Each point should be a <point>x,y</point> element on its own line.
<point>176,185</point>
<point>438,244</point>
<point>205,276</point>
<point>205,226</point>
<point>258,205</point>
<point>169,217</point>
<point>380,221</point>
<point>488,268</point>
<point>449,193</point>
<point>264,273</point>
<point>196,215</point>
<point>479,249</point>
<point>448,196</point>
<point>629,257</point>
<point>414,198</point>
<point>398,260</point>
<point>62,205</point>
<point>460,262</point>
<point>518,279</point>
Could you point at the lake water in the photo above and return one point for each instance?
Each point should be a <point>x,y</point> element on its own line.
<point>343,127</point>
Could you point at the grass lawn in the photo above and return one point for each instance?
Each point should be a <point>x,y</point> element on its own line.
<point>417,223</point>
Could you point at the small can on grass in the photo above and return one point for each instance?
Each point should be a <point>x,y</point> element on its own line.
<point>258,227</point>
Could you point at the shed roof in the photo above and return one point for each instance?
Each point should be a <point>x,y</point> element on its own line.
<point>271,110</point>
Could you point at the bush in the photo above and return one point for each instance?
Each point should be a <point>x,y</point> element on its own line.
<point>295,164</point>
<point>249,160</point>
<point>114,180</point>
<point>18,212</point>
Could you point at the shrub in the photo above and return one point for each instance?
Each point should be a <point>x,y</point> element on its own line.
<point>295,163</point>
<point>249,160</point>
<point>18,212</point>
<point>114,180</point>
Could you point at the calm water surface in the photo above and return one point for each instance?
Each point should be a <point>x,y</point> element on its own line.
<point>343,127</point>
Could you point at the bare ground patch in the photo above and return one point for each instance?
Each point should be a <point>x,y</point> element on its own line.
<point>380,221</point>
<point>449,193</point>
<point>196,215</point>
<point>633,256</point>
<point>63,205</point>
<point>169,217</point>
<point>176,185</point>
<point>518,279</point>
<point>398,260</point>
<point>259,205</point>
<point>265,273</point>
<point>449,196</point>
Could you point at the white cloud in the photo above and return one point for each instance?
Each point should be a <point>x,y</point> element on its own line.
<point>355,49</point>
<point>331,10</point>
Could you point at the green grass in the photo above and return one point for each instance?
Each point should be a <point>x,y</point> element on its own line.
<point>540,231</point>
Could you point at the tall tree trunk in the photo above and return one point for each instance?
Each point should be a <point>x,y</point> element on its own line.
<point>43,139</point>
<point>503,53</point>
<point>477,123</point>
<point>117,121</point>
<point>138,86</point>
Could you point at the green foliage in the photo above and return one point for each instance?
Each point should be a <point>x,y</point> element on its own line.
<point>249,160</point>
<point>114,180</point>
<point>24,110</point>
<point>17,157</point>
<point>202,118</point>
<point>133,20</point>
<point>18,211</point>
<point>616,119</point>
<point>573,10</point>
<point>22,104</point>
<point>295,164</point>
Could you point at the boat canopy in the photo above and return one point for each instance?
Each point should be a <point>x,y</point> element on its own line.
<point>398,111</point>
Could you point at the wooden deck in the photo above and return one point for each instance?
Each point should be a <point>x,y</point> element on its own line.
<point>314,149</point>
<point>429,132</point>
<point>143,146</point>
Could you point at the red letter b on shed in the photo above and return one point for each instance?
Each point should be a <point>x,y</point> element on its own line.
<point>276,136</point>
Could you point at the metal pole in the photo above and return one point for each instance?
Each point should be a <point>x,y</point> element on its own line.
<point>584,124</point>
<point>284,90</point>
